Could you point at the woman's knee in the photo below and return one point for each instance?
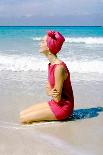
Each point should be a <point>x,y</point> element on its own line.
<point>25,119</point>
<point>42,114</point>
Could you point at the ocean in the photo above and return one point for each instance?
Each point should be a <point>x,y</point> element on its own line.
<point>23,70</point>
<point>82,50</point>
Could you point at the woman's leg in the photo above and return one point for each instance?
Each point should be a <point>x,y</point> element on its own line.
<point>42,112</point>
<point>31,108</point>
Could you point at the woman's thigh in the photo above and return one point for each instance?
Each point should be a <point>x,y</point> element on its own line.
<point>42,112</point>
<point>34,107</point>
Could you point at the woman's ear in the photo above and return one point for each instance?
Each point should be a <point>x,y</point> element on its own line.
<point>49,53</point>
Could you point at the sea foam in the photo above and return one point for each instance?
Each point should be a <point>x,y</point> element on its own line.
<point>79,40</point>
<point>16,62</point>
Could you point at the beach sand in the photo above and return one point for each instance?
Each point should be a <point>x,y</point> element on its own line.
<point>82,134</point>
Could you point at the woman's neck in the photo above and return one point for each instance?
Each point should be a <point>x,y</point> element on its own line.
<point>53,59</point>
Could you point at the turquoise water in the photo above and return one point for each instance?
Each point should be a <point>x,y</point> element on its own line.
<point>71,31</point>
<point>82,51</point>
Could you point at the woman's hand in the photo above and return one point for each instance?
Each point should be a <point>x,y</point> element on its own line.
<point>51,92</point>
<point>55,93</point>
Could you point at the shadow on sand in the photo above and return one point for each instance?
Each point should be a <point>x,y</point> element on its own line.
<point>85,113</point>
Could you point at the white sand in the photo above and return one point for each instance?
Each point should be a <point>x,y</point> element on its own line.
<point>79,137</point>
<point>76,137</point>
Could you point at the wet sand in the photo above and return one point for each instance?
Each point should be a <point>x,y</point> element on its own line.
<point>80,135</point>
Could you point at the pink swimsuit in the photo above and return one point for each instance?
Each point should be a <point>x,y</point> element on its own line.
<point>64,107</point>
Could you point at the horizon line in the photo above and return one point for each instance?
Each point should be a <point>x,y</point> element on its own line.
<point>52,25</point>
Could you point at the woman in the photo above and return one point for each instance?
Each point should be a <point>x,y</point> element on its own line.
<point>58,86</point>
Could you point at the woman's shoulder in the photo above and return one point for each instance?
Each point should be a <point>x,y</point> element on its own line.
<point>61,72</point>
<point>60,68</point>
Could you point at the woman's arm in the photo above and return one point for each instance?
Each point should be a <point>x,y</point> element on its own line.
<point>59,80</point>
<point>48,89</point>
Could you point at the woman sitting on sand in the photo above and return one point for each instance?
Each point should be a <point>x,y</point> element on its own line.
<point>58,86</point>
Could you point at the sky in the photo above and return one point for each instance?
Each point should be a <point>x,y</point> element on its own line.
<point>51,12</point>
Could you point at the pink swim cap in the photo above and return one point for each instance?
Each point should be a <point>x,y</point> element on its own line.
<point>54,41</point>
